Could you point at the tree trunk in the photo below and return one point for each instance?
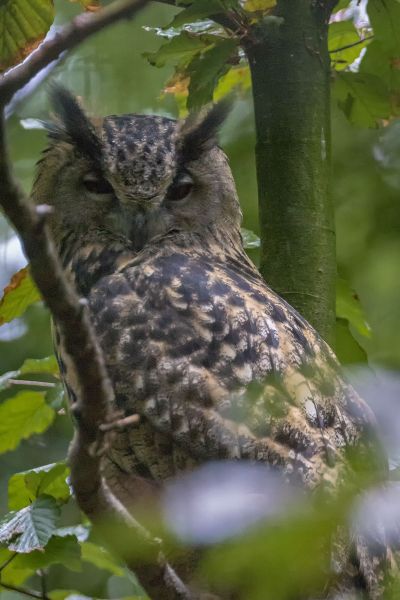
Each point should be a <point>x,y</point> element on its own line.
<point>290,68</point>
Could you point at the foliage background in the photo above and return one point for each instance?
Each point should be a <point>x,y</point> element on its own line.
<point>112,76</point>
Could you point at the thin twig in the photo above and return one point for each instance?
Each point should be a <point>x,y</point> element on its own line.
<point>45,384</point>
<point>370,37</point>
<point>7,562</point>
<point>71,35</point>
<point>24,591</point>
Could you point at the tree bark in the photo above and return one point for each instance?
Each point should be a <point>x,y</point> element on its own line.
<point>290,67</point>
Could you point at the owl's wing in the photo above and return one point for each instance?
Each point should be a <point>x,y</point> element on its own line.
<point>215,360</point>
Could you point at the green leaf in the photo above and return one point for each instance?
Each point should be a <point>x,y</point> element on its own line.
<point>206,69</point>
<point>348,307</point>
<point>20,293</point>
<point>250,239</point>
<point>344,35</point>
<point>98,556</point>
<point>22,27</point>
<point>199,9</point>
<point>21,416</point>
<point>25,487</point>
<point>64,550</point>
<point>183,46</point>
<point>30,528</point>
<point>362,97</point>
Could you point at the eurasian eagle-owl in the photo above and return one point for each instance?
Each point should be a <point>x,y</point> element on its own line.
<point>147,222</point>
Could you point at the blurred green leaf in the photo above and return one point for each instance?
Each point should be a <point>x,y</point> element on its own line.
<point>101,558</point>
<point>30,528</point>
<point>25,487</point>
<point>22,416</point>
<point>205,70</point>
<point>363,98</point>
<point>348,307</point>
<point>20,293</point>
<point>384,16</point>
<point>22,27</point>
<point>288,559</point>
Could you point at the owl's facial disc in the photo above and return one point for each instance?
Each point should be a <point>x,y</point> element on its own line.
<point>150,173</point>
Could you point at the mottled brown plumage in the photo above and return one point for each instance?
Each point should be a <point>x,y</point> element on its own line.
<point>147,222</point>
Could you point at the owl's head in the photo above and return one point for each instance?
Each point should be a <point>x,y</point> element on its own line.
<point>135,175</point>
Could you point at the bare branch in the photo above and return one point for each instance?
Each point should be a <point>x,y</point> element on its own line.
<point>71,35</point>
<point>72,320</point>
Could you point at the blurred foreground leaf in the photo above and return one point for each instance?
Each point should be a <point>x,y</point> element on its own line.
<point>21,416</point>
<point>30,528</point>
<point>25,487</point>
<point>101,558</point>
<point>20,293</point>
<point>23,24</point>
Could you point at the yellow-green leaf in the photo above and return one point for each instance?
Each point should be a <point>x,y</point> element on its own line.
<point>259,5</point>
<point>20,293</point>
<point>22,416</point>
<point>23,24</point>
<point>345,44</point>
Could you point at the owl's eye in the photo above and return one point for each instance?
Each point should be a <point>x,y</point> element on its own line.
<point>180,187</point>
<point>96,184</point>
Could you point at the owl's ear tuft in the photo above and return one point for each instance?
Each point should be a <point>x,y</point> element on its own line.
<point>200,133</point>
<point>72,123</point>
